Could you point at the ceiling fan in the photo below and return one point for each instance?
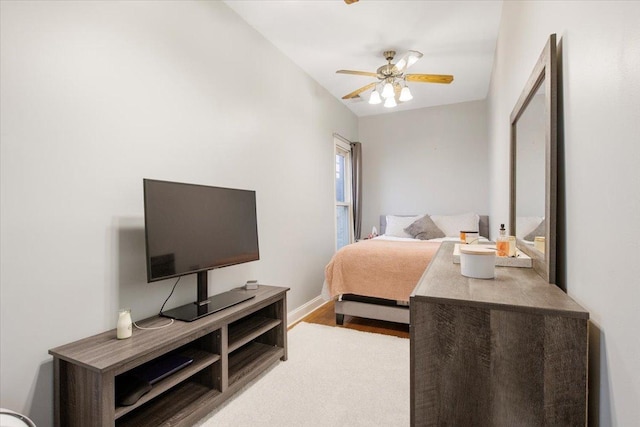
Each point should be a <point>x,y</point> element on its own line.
<point>393,80</point>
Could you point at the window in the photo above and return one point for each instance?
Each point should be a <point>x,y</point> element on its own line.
<point>344,213</point>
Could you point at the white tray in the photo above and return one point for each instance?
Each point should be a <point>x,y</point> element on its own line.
<point>520,260</point>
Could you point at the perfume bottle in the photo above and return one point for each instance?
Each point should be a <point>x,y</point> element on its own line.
<point>502,244</point>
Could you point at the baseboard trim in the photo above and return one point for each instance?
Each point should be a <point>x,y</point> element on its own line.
<point>305,309</point>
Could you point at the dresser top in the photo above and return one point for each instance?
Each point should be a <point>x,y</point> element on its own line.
<point>513,289</point>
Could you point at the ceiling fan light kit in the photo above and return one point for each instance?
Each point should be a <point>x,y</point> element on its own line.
<point>405,94</point>
<point>387,90</point>
<point>390,102</point>
<point>393,79</point>
<point>375,97</point>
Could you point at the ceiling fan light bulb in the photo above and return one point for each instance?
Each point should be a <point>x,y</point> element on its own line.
<point>390,102</point>
<point>405,94</point>
<point>375,98</point>
<point>387,91</point>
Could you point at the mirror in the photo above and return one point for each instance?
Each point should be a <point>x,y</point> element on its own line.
<point>530,168</point>
<point>532,204</point>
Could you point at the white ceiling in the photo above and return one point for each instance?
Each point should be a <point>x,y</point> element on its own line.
<point>322,36</point>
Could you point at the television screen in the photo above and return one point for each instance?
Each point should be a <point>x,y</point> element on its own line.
<point>193,228</point>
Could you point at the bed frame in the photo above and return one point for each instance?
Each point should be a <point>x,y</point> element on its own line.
<point>384,309</point>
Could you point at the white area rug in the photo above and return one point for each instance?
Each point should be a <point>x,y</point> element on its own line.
<point>333,377</point>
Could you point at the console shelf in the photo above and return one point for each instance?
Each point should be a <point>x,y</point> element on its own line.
<point>229,348</point>
<point>247,329</point>
<point>201,360</point>
<point>169,408</point>
<point>254,357</point>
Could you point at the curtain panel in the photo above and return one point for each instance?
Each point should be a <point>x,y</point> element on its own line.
<point>356,182</point>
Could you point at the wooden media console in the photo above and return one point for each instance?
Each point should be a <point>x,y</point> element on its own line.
<point>229,349</point>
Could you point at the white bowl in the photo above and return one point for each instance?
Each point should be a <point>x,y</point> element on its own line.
<point>10,418</point>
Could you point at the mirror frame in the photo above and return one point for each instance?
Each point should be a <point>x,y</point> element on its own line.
<point>544,72</point>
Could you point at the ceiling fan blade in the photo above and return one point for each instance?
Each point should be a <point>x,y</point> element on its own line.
<point>429,78</point>
<point>350,1</point>
<point>359,91</point>
<point>357,73</point>
<point>407,60</point>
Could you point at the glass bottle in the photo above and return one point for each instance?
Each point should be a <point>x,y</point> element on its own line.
<point>502,244</point>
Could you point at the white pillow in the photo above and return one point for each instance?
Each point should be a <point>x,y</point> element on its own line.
<point>397,224</point>
<point>452,225</point>
<point>526,224</point>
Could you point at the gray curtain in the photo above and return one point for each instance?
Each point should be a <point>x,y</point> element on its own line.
<point>356,168</point>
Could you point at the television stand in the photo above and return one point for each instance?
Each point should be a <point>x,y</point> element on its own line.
<point>193,311</point>
<point>228,349</point>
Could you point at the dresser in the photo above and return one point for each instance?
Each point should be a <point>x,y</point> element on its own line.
<point>508,351</point>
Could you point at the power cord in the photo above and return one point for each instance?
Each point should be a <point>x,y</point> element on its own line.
<point>161,308</point>
<point>155,327</point>
<point>174,288</point>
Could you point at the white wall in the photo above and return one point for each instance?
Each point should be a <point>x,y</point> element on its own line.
<point>97,95</point>
<point>599,188</point>
<point>432,160</point>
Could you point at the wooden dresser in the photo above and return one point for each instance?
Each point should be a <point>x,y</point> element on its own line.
<point>510,351</point>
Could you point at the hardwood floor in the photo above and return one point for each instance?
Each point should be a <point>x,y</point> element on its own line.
<point>325,315</point>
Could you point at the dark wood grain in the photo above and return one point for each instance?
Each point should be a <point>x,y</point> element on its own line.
<point>228,349</point>
<point>83,395</point>
<point>242,332</point>
<point>160,410</point>
<point>517,363</point>
<point>504,352</point>
<point>201,360</point>
<point>453,345</point>
<point>519,289</point>
<point>103,351</point>
<point>224,360</point>
<point>243,362</point>
<point>566,345</point>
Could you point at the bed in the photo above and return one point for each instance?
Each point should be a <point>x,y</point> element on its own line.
<point>373,278</point>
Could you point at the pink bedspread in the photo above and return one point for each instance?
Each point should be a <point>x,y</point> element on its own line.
<point>379,268</point>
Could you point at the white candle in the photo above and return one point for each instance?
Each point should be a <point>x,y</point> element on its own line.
<point>124,326</point>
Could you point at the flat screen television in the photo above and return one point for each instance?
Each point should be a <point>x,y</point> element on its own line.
<point>191,229</point>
